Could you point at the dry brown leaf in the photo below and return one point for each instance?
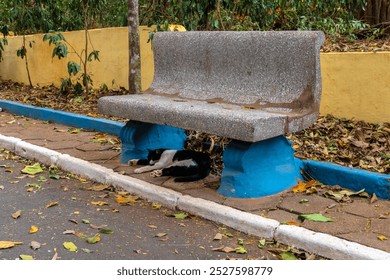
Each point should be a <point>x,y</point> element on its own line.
<point>225,249</point>
<point>98,187</point>
<point>16,214</point>
<point>218,236</point>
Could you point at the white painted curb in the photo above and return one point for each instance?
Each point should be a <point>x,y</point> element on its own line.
<point>322,244</point>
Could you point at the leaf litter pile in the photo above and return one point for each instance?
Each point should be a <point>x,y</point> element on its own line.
<point>346,142</point>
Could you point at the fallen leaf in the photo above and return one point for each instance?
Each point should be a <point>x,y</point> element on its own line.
<point>35,245</point>
<point>94,239</point>
<point>126,200</point>
<point>33,229</point>
<point>241,250</point>
<point>152,226</point>
<point>314,217</point>
<point>26,257</point>
<point>218,236</point>
<point>106,231</point>
<point>156,206</point>
<point>32,169</point>
<point>382,237</point>
<point>161,234</point>
<point>180,216</point>
<point>85,250</point>
<point>54,176</point>
<point>70,246</point>
<point>98,188</point>
<point>303,186</point>
<point>292,223</point>
<point>288,256</point>
<point>51,204</point>
<point>16,214</point>
<point>8,244</point>
<point>74,130</point>
<point>55,256</point>
<point>99,203</point>
<point>374,198</point>
<point>225,249</point>
<point>261,243</point>
<point>1,187</point>
<point>85,221</point>
<point>69,231</point>
<point>97,226</point>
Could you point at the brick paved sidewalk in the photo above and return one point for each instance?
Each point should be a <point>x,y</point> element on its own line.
<point>357,220</point>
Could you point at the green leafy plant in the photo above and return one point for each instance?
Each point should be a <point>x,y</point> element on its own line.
<point>3,40</point>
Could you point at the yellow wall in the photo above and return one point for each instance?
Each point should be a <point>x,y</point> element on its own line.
<point>114,58</point>
<point>355,85</point>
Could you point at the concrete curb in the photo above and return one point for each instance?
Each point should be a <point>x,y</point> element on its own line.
<point>322,244</point>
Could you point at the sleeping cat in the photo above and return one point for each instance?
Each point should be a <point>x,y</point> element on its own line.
<point>186,165</point>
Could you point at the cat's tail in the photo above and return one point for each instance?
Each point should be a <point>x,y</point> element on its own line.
<point>191,178</point>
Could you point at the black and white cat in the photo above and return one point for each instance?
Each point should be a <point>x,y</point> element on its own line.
<point>186,165</point>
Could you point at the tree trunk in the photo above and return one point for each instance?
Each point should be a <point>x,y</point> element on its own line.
<point>134,49</point>
<point>25,57</point>
<point>377,11</point>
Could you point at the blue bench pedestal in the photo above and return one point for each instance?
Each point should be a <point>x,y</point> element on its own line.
<point>258,169</point>
<point>139,137</point>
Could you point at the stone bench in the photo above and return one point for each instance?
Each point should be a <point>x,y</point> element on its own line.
<point>252,87</point>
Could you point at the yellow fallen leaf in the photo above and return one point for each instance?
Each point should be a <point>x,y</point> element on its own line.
<point>8,244</point>
<point>99,203</point>
<point>303,186</point>
<point>33,229</point>
<point>16,214</point>
<point>26,257</point>
<point>52,204</point>
<point>293,223</point>
<point>125,200</point>
<point>382,237</point>
<point>70,246</point>
<point>156,206</point>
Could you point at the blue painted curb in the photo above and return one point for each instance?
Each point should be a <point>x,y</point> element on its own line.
<point>71,119</point>
<point>327,173</point>
<point>351,178</point>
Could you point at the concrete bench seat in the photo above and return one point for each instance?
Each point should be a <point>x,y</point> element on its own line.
<point>253,87</point>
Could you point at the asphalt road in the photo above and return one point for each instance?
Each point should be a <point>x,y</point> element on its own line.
<point>63,209</point>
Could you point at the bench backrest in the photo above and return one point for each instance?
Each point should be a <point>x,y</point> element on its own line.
<point>263,69</point>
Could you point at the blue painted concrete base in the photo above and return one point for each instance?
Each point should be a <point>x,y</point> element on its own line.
<point>350,178</point>
<point>258,169</point>
<point>138,137</point>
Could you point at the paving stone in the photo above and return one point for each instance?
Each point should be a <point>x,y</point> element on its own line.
<point>206,193</point>
<point>314,204</point>
<point>362,208</point>
<point>178,186</point>
<point>282,216</point>
<point>381,226</point>
<point>369,239</point>
<point>252,204</point>
<point>343,223</point>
